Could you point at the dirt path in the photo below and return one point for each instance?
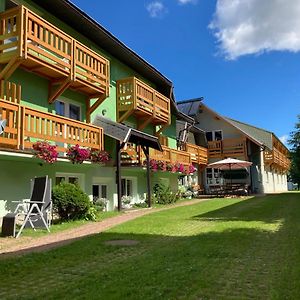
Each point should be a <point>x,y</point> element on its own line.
<point>11,246</point>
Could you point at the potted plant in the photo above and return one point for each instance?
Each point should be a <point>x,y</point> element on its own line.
<point>77,154</point>
<point>43,150</point>
<point>98,156</point>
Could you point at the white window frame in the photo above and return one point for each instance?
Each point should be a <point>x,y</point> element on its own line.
<point>67,103</point>
<point>214,178</point>
<point>134,185</point>
<point>213,132</point>
<point>80,176</point>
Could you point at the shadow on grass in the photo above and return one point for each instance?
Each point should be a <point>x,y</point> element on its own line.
<point>226,263</point>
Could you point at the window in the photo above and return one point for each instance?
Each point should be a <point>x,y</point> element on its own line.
<point>69,110</point>
<point>99,191</point>
<point>209,136</point>
<point>126,187</point>
<point>216,135</point>
<point>213,176</point>
<point>70,178</point>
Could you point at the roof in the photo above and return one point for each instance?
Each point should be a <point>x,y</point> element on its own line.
<point>125,134</point>
<point>90,28</point>
<point>190,107</point>
<point>258,135</point>
<point>262,135</point>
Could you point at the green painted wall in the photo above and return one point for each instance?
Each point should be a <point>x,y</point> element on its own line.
<point>170,132</point>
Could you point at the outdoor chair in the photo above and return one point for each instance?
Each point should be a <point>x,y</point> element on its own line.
<point>36,212</point>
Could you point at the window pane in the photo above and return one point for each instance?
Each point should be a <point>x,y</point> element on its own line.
<point>73,180</point>
<point>209,136</point>
<point>129,187</point>
<point>60,108</point>
<point>104,191</point>
<point>95,193</point>
<point>74,112</point>
<point>58,180</point>
<point>218,135</point>
<point>123,187</point>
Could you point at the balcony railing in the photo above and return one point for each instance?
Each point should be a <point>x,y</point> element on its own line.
<point>41,47</point>
<point>277,158</point>
<point>134,97</point>
<point>227,148</point>
<point>198,154</point>
<point>26,125</point>
<point>171,156</point>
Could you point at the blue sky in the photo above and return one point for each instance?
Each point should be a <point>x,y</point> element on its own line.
<point>241,56</point>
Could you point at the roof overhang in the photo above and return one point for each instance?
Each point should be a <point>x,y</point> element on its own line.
<point>125,134</point>
<point>72,15</point>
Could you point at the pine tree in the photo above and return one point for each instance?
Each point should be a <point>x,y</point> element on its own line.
<point>294,141</point>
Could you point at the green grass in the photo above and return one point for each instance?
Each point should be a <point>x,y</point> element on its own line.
<point>57,227</point>
<point>218,249</point>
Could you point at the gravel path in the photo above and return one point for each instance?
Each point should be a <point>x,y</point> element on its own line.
<point>11,246</point>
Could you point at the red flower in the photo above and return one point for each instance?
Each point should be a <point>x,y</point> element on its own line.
<point>45,151</point>
<point>78,155</point>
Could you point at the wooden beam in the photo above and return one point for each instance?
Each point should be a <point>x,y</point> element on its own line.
<point>141,126</point>
<point>97,103</point>
<point>53,95</point>
<point>125,116</point>
<point>161,129</point>
<point>10,68</point>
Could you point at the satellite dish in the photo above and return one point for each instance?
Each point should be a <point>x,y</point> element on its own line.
<point>2,125</point>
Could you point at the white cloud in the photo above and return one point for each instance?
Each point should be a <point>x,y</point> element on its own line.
<point>156,9</point>
<point>284,138</point>
<point>256,26</point>
<point>183,2</point>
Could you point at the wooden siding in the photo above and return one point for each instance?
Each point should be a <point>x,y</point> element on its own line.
<point>39,46</point>
<point>199,155</point>
<point>227,148</point>
<point>134,97</point>
<point>278,157</point>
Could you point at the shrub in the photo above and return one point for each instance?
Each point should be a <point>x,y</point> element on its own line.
<point>164,195</point>
<point>140,205</point>
<point>100,204</point>
<point>70,202</point>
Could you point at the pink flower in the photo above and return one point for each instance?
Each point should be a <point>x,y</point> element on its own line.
<point>98,156</point>
<point>45,151</point>
<point>78,155</point>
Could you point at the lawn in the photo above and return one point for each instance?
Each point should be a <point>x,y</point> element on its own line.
<point>217,249</point>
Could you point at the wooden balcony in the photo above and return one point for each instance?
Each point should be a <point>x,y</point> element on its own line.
<point>277,159</point>
<point>227,148</point>
<point>133,155</point>
<point>199,155</point>
<point>29,41</point>
<point>136,98</point>
<point>26,125</point>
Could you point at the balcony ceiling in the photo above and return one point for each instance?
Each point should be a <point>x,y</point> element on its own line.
<point>71,14</point>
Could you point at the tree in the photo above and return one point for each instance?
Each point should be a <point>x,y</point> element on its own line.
<point>294,141</point>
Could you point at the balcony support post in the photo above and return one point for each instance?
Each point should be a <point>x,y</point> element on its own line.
<point>54,94</point>
<point>146,152</point>
<point>10,68</point>
<point>119,147</point>
<point>91,109</point>
<point>161,129</point>
<point>143,125</point>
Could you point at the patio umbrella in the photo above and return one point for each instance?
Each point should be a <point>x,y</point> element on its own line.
<point>230,164</point>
